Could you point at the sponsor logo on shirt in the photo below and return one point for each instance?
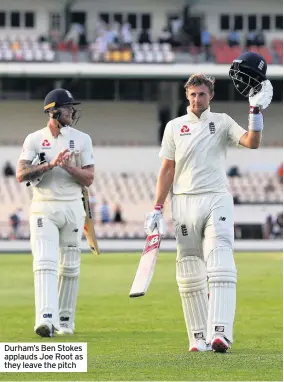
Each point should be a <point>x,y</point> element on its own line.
<point>185,130</point>
<point>212,127</point>
<point>46,144</point>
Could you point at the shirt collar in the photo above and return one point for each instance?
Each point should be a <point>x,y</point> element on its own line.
<point>64,131</point>
<point>193,117</point>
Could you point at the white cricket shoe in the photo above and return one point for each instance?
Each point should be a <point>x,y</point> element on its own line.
<point>220,344</point>
<point>46,329</point>
<point>200,345</point>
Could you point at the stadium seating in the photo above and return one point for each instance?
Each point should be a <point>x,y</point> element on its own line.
<point>277,45</point>
<point>25,49</point>
<point>135,193</point>
<point>139,53</point>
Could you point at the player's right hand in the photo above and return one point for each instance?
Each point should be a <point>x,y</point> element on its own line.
<point>58,159</point>
<point>156,220</point>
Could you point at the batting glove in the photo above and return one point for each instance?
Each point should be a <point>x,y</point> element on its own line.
<point>156,220</point>
<point>264,97</point>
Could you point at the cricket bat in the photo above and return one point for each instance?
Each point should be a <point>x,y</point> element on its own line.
<point>146,265</point>
<point>89,229</point>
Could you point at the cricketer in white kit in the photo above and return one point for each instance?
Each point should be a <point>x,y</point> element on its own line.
<point>193,166</point>
<point>57,213</point>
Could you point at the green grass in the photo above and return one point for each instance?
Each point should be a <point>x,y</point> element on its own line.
<point>145,338</point>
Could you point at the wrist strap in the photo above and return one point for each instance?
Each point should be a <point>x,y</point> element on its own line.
<point>255,122</point>
<point>158,207</point>
<point>254,109</point>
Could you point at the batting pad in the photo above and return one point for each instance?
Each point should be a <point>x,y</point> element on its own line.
<point>192,282</point>
<point>222,278</point>
<point>69,270</point>
<point>45,269</point>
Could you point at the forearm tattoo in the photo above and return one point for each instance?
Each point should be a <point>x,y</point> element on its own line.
<point>27,171</point>
<point>88,166</point>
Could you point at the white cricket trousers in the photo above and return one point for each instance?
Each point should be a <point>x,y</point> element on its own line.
<point>203,222</point>
<point>205,234</point>
<point>56,230</point>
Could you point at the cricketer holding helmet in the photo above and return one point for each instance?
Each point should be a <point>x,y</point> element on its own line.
<point>193,166</point>
<point>57,213</point>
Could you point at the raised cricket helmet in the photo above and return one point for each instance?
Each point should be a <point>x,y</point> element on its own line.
<point>247,72</point>
<point>57,99</point>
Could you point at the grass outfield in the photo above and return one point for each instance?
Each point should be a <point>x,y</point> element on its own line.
<point>145,338</point>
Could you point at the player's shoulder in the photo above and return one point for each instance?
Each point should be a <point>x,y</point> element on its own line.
<point>221,118</point>
<point>36,135</point>
<point>179,120</point>
<point>80,134</point>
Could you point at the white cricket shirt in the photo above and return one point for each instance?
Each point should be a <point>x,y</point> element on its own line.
<point>57,184</point>
<point>199,148</point>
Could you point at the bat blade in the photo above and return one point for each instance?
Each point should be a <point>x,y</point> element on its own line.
<point>146,267</point>
<point>89,229</point>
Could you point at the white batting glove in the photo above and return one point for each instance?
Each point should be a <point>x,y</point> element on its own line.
<point>156,220</point>
<point>263,98</point>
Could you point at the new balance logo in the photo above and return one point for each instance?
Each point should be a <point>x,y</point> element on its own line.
<point>219,329</point>
<point>184,230</point>
<point>261,65</point>
<point>199,336</point>
<point>212,127</point>
<point>222,218</point>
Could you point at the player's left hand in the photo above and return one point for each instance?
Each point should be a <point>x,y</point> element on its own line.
<point>263,98</point>
<point>156,220</point>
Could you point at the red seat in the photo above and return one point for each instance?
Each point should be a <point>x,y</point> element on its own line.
<point>264,51</point>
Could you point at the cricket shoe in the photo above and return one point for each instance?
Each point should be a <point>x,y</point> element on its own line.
<point>200,345</point>
<point>45,329</point>
<point>220,344</point>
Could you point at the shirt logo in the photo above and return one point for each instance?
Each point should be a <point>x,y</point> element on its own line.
<point>185,130</point>
<point>45,144</point>
<point>71,145</point>
<point>212,127</point>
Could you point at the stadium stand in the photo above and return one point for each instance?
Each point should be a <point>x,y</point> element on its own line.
<point>179,32</point>
<point>129,123</point>
<point>27,49</point>
<point>277,45</point>
<point>134,191</point>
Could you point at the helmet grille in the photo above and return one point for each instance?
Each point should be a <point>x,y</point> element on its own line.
<point>246,81</point>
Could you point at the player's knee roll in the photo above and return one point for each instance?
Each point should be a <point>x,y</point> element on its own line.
<point>190,275</point>
<point>69,265</point>
<point>221,266</point>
